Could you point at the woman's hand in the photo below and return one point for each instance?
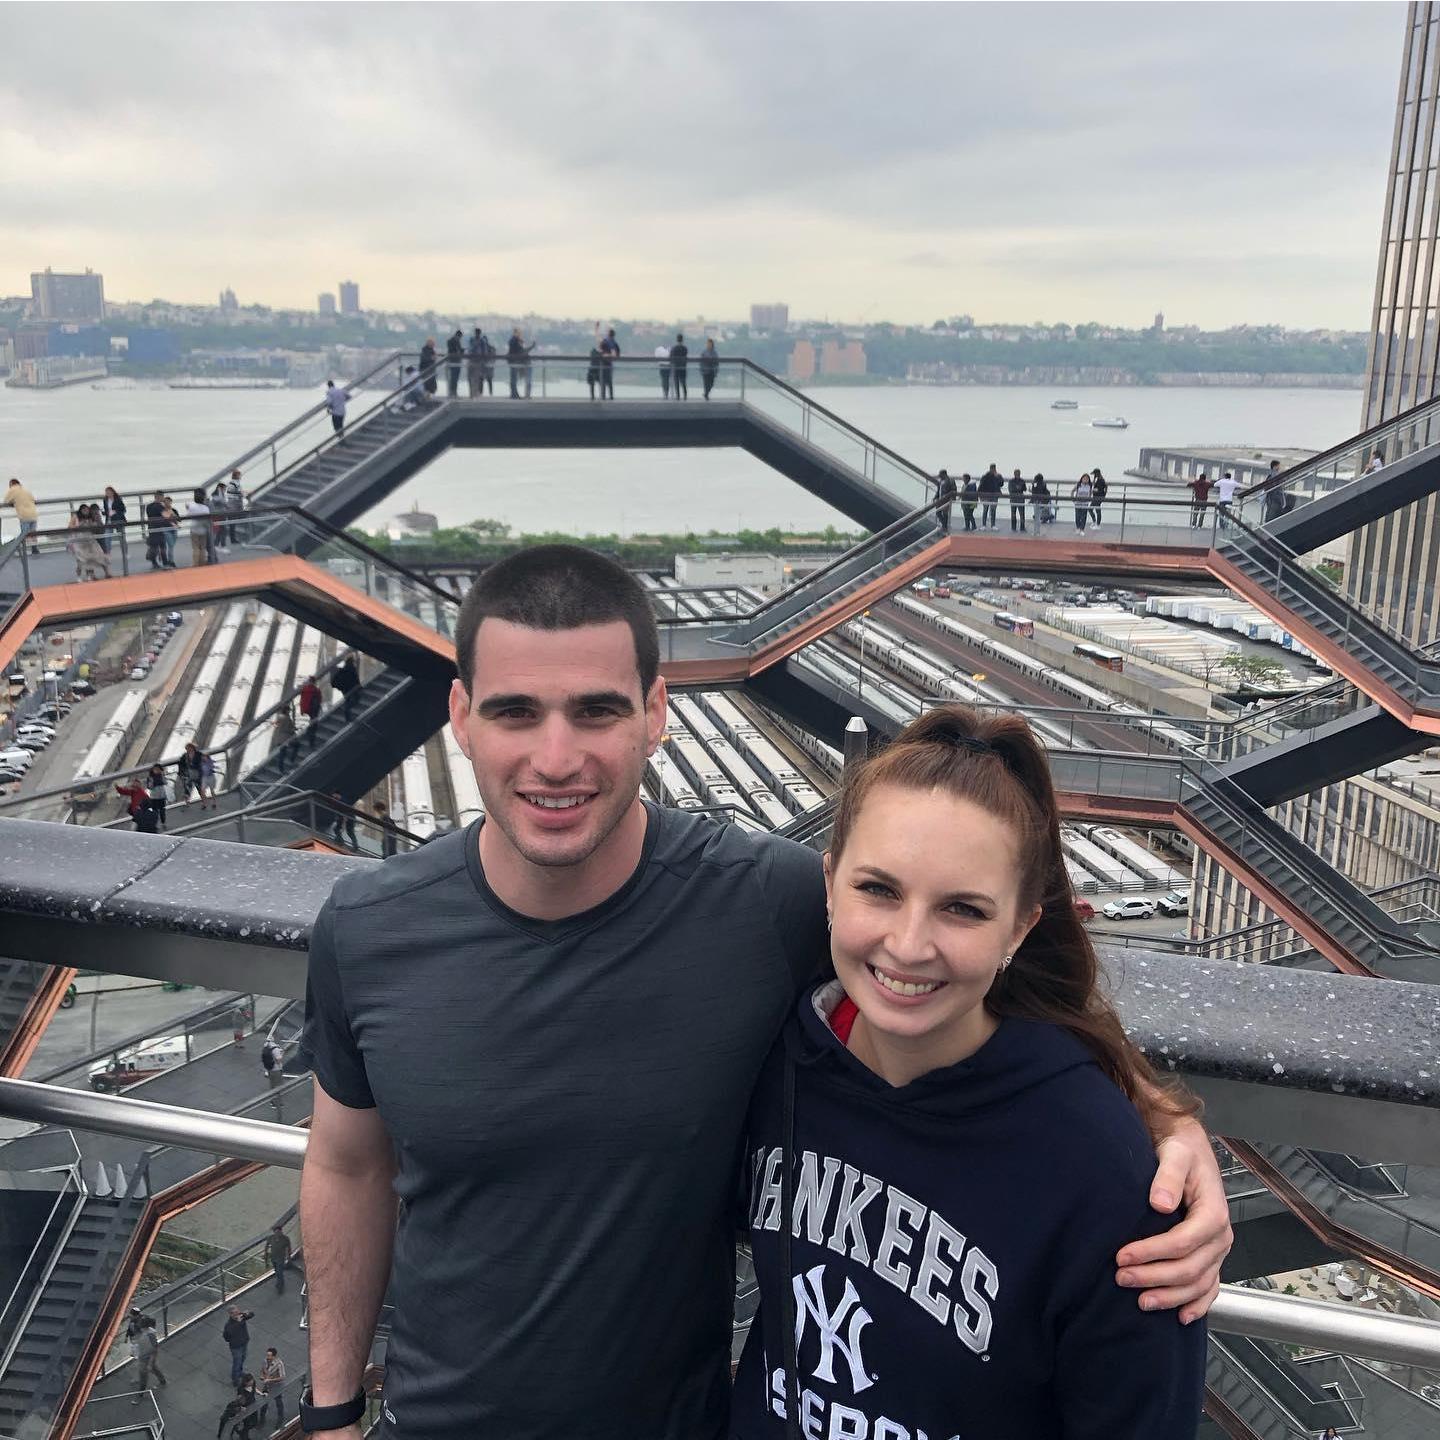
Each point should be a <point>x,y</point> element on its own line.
<point>1181,1268</point>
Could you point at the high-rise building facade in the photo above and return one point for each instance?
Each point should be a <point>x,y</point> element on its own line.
<point>67,297</point>
<point>349,298</point>
<point>1393,567</point>
<point>325,303</point>
<point>769,317</point>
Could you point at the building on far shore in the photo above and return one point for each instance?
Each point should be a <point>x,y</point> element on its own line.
<point>325,303</point>
<point>835,357</point>
<point>412,524</point>
<point>349,298</point>
<point>774,317</point>
<point>67,297</point>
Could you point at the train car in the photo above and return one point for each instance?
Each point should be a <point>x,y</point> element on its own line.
<point>1159,874</point>
<point>237,695</point>
<point>463,789</point>
<point>762,799</point>
<point>794,791</point>
<point>1082,882</point>
<point>107,753</point>
<point>197,700</point>
<point>1113,875</point>
<point>272,688</point>
<point>417,815</point>
<point>669,785</point>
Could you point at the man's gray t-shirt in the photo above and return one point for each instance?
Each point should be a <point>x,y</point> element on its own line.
<point>567,1101</point>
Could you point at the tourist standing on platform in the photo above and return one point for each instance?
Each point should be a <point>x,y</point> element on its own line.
<point>662,357</point>
<point>310,703</point>
<point>136,794</point>
<point>1199,489</point>
<point>277,1252</point>
<point>592,374</point>
<point>219,503</point>
<point>91,561</point>
<point>187,773</point>
<point>517,357</point>
<point>1082,495</point>
<point>945,492</point>
<point>170,530</point>
<point>990,488</point>
<point>505,1028</point>
<point>679,369</point>
<point>272,1387</point>
<point>207,781</point>
<point>609,354</point>
<point>197,518</point>
<point>969,498</point>
<point>709,367</point>
<point>1224,497</point>
<point>475,364</point>
<point>158,788</point>
<point>336,399</point>
<point>1044,507</point>
<point>154,528</point>
<point>1017,489</point>
<point>428,365</point>
<point>1098,490</point>
<point>112,513</point>
<point>23,503</point>
<point>967,1032</point>
<point>345,677</point>
<point>236,1335</point>
<point>147,818</point>
<point>235,504</point>
<point>454,360</point>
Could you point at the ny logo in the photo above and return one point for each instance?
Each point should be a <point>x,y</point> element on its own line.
<point>849,1315</point>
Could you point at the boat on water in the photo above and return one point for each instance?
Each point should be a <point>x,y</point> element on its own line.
<point>1064,404</point>
<point>1115,422</point>
<point>224,383</point>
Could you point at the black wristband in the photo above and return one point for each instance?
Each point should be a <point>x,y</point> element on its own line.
<point>329,1417</point>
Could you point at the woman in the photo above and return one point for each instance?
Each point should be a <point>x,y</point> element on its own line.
<point>1098,489</point>
<point>90,560</point>
<point>1082,494</point>
<point>170,529</point>
<point>592,374</point>
<point>709,367</point>
<point>187,774</point>
<point>158,789</point>
<point>899,1118</point>
<point>207,781</point>
<point>112,510</point>
<point>1040,494</point>
<point>428,368</point>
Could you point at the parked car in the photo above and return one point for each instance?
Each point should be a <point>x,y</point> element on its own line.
<point>1083,908</point>
<point>1132,908</point>
<point>54,710</point>
<point>1177,902</point>
<point>82,688</point>
<point>32,742</point>
<point>139,672</point>
<point>174,618</point>
<point>35,727</point>
<point>9,775</point>
<point>15,757</point>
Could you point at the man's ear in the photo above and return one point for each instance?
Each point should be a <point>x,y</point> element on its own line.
<point>657,705</point>
<point>459,714</point>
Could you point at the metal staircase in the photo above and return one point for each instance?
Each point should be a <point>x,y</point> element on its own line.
<point>68,1306</point>
<point>1274,1397</point>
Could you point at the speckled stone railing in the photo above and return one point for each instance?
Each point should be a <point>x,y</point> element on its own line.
<point>1321,1059</point>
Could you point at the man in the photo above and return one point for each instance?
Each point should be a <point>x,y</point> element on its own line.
<point>235,496</point>
<point>1017,489</point>
<point>145,1347</point>
<point>272,1386</point>
<point>342,827</point>
<point>310,707</point>
<point>345,677</point>
<point>517,356</point>
<point>609,354</point>
<point>1199,489</point>
<point>454,359</point>
<point>969,498</point>
<point>336,399</point>
<point>1224,494</point>
<point>679,368</point>
<point>475,364</point>
<point>23,503</point>
<point>990,486</point>
<point>389,831</point>
<point>945,490</point>
<point>236,1335</point>
<point>1277,502</point>
<point>542,1032</point>
<point>277,1252</point>
<point>662,360</point>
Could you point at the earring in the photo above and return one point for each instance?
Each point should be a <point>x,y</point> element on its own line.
<point>829,921</point>
<point>1004,964</point>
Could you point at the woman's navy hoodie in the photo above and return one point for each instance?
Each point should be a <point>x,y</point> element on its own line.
<point>952,1255</point>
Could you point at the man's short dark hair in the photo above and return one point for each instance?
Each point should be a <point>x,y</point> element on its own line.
<point>558,587</point>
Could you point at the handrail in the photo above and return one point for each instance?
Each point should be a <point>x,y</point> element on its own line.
<point>1293,1423</point>
<point>1238,1311</point>
<point>1355,442</point>
<point>277,807</point>
<point>256,722</point>
<point>214,1008</point>
<point>164,1293</point>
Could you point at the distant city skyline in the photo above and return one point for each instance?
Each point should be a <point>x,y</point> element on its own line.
<point>1224,163</point>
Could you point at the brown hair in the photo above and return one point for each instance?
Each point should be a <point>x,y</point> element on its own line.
<point>995,762</point>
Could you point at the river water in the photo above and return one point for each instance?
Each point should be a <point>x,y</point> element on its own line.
<point>77,440</point>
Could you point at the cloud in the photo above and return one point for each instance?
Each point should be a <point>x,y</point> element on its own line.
<point>669,159</point>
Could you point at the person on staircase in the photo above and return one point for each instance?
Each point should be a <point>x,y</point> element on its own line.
<point>428,368</point>
<point>337,397</point>
<point>346,679</point>
<point>945,491</point>
<point>310,707</point>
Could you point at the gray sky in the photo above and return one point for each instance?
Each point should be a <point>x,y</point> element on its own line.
<point>1222,162</point>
